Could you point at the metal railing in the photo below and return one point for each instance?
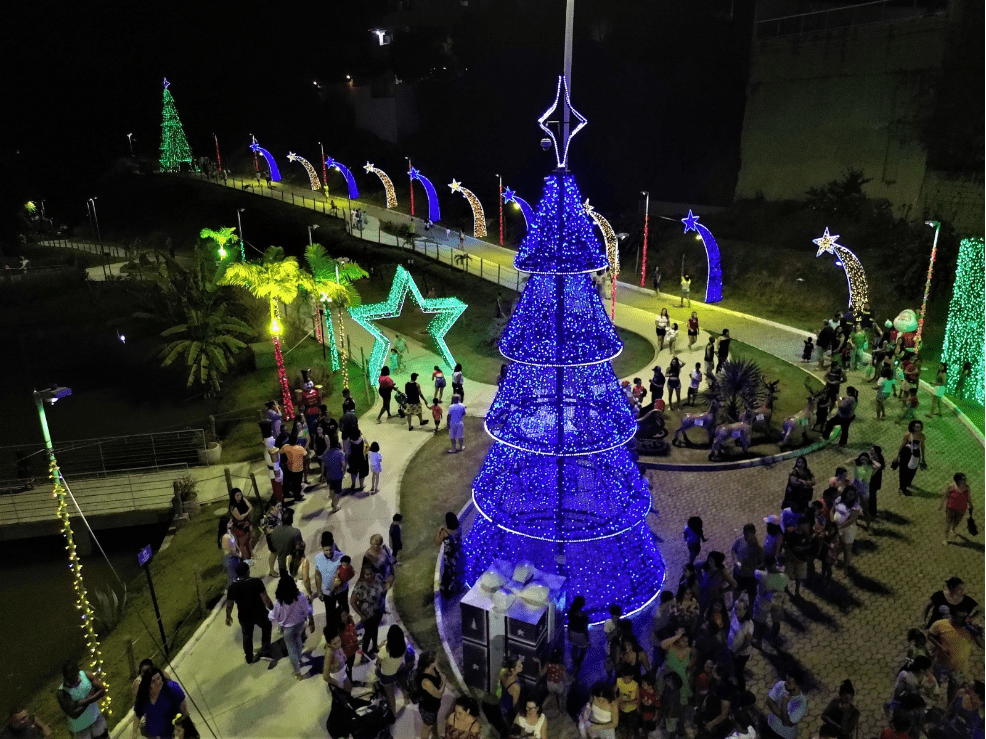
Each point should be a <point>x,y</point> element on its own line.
<point>486,269</point>
<point>113,454</point>
<point>97,494</point>
<point>847,17</point>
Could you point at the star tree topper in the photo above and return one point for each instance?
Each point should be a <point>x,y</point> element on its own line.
<point>549,124</point>
<point>826,243</point>
<point>445,310</point>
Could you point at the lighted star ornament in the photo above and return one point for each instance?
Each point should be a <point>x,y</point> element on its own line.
<point>445,310</point>
<point>855,276</point>
<point>546,120</point>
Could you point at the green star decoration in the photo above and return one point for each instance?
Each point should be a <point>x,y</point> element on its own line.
<point>446,311</point>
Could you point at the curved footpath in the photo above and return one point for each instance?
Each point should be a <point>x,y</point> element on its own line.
<point>854,628</point>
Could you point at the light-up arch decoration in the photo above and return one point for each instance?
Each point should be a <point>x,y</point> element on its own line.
<point>275,173</point>
<point>388,186</point>
<point>713,288</point>
<point>434,213</point>
<point>511,196</point>
<point>312,174</point>
<point>344,171</point>
<point>478,216</point>
<point>855,276</point>
<point>612,252</point>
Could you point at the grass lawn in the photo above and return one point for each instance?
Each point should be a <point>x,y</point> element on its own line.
<point>432,485</point>
<point>792,394</point>
<point>194,546</point>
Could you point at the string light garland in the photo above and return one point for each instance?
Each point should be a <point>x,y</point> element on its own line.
<point>965,331</point>
<point>275,173</point>
<point>312,174</point>
<point>94,656</point>
<point>927,285</point>
<point>855,276</point>
<point>344,171</point>
<point>510,196</point>
<point>388,185</point>
<point>434,212</point>
<point>612,252</point>
<point>446,311</point>
<point>175,150</point>
<point>559,488</point>
<point>478,216</point>
<point>713,287</point>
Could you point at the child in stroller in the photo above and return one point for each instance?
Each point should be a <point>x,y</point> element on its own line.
<point>401,399</point>
<point>367,717</point>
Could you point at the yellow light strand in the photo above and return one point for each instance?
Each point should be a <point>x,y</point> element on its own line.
<point>95,657</point>
<point>478,216</point>
<point>388,186</point>
<point>312,174</point>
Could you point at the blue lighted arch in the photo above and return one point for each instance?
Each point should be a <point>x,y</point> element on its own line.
<point>713,289</point>
<point>511,196</point>
<point>275,173</point>
<point>434,214</point>
<point>344,171</point>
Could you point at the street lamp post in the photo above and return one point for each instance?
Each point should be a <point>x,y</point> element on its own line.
<point>643,261</point>
<point>310,228</point>
<point>325,171</point>
<point>219,160</point>
<point>927,284</point>
<point>99,235</point>
<point>50,397</point>
<point>239,222</point>
<point>130,140</point>
<point>500,179</point>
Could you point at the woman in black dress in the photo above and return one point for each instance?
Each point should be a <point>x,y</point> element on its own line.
<point>359,466</point>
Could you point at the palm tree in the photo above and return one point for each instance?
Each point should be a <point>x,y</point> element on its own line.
<point>222,237</point>
<point>332,281</point>
<point>276,279</point>
<point>208,341</point>
<point>738,386</point>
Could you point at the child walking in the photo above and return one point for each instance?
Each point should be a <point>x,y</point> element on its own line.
<point>554,673</point>
<point>376,467</point>
<point>809,349</point>
<point>396,538</point>
<point>439,379</point>
<point>695,379</point>
<point>672,337</point>
<point>436,412</point>
<point>694,537</point>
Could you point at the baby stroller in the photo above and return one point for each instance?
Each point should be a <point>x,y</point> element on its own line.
<point>401,399</point>
<point>359,718</point>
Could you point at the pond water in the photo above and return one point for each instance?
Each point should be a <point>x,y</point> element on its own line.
<point>37,602</point>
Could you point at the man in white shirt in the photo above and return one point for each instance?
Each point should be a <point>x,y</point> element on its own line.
<point>787,706</point>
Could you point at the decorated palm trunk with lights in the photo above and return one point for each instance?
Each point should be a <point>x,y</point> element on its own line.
<point>559,488</point>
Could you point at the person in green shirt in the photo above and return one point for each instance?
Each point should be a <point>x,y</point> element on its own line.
<point>859,343</point>
<point>686,288</point>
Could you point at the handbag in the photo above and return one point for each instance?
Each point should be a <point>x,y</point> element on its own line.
<point>970,523</point>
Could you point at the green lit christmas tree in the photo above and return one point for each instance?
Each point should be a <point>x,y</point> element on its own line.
<point>175,150</point>
<point>964,334</point>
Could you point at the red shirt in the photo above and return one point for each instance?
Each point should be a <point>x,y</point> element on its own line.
<point>891,734</point>
<point>350,642</point>
<point>958,500</point>
<point>555,673</point>
<point>311,398</point>
<point>385,382</point>
<point>649,703</point>
<point>693,324</point>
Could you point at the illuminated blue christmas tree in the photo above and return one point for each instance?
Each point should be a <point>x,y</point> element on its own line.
<point>559,487</point>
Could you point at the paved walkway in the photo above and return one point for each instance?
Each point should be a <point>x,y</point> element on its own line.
<point>852,628</point>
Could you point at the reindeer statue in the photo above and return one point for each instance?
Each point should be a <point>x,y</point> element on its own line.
<point>803,420</point>
<point>740,431</point>
<point>706,421</point>
<point>763,412</point>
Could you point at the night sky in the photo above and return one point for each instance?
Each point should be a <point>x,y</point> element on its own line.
<point>662,84</point>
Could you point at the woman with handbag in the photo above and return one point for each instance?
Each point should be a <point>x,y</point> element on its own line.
<point>239,514</point>
<point>956,501</point>
<point>910,456</point>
